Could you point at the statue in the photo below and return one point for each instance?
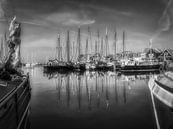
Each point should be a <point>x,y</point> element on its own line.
<point>12,60</point>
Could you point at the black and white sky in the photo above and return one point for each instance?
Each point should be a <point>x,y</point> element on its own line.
<point>44,19</point>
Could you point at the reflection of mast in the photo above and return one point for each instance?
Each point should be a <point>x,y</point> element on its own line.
<point>107,94</point>
<point>116,90</point>
<point>88,94</point>
<point>124,92</point>
<point>79,93</point>
<point>68,91</point>
<point>59,87</point>
<point>96,83</point>
<point>98,94</point>
<point>102,84</point>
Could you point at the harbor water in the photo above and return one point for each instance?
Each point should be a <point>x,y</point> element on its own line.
<point>92,100</point>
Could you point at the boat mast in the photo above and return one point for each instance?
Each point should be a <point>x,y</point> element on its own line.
<point>56,49</point>
<point>59,47</point>
<point>95,46</point>
<point>79,41</point>
<point>98,41</point>
<point>106,41</point>
<point>90,38</point>
<point>115,43</point>
<point>68,46</point>
<point>123,44</point>
<point>102,47</point>
<point>86,50</point>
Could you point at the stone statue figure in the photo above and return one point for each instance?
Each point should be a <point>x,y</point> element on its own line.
<point>12,60</point>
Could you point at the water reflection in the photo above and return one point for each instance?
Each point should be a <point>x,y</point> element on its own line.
<point>96,87</point>
<point>91,100</point>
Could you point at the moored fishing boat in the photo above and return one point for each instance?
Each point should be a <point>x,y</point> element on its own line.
<point>55,65</point>
<point>141,66</point>
<point>162,88</point>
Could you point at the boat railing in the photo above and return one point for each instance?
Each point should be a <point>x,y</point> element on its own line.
<point>16,103</point>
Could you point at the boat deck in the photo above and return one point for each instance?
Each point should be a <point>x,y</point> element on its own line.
<point>14,103</point>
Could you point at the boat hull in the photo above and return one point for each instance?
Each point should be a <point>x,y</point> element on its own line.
<point>141,68</point>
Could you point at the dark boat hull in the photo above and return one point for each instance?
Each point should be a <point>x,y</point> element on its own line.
<point>104,68</point>
<point>58,68</point>
<point>141,68</point>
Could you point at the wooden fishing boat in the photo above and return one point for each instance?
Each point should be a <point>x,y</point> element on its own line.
<point>55,65</point>
<point>162,88</point>
<point>148,66</point>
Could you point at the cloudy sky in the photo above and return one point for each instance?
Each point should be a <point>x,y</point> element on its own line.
<point>42,20</point>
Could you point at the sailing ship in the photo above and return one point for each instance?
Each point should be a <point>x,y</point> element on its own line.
<point>59,64</point>
<point>101,61</point>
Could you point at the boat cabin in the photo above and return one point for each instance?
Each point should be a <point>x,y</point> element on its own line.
<point>152,52</point>
<point>167,54</point>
